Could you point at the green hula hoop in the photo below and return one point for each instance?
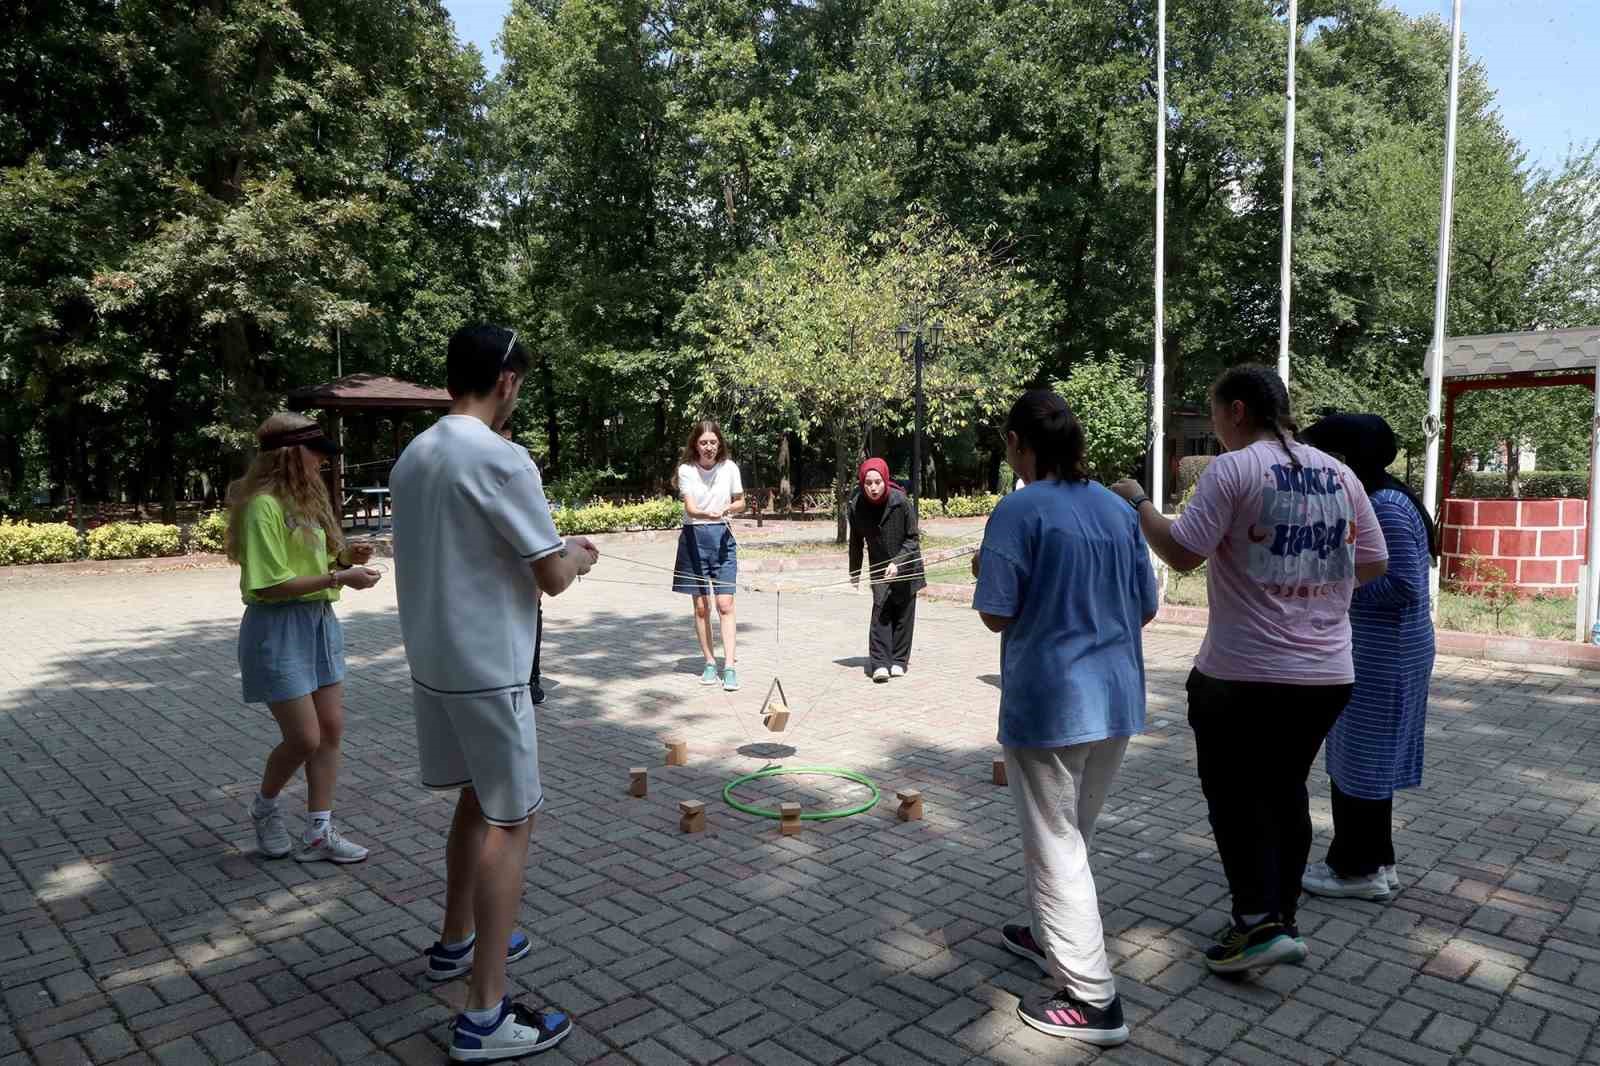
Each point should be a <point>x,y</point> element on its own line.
<point>815,771</point>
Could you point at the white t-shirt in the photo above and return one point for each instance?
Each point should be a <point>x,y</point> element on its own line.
<point>710,489</point>
<point>470,517</point>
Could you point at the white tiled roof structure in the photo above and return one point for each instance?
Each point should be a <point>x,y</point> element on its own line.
<point>1494,354</point>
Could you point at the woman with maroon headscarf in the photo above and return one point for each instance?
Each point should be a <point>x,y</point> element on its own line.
<point>885,521</point>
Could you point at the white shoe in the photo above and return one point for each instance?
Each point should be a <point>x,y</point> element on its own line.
<point>519,1032</point>
<point>881,674</point>
<point>1391,874</point>
<point>1320,880</point>
<point>897,671</point>
<point>330,847</point>
<point>272,836</point>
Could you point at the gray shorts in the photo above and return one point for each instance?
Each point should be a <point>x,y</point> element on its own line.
<point>289,650</point>
<point>486,741</point>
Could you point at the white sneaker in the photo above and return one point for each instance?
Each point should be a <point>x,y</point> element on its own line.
<point>897,671</point>
<point>272,836</point>
<point>518,1032</point>
<point>1320,880</point>
<point>1391,874</point>
<point>330,847</point>
<point>880,675</point>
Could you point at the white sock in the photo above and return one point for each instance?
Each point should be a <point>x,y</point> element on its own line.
<point>485,1017</point>
<point>317,823</point>
<point>1252,920</point>
<point>264,805</point>
<point>459,944</point>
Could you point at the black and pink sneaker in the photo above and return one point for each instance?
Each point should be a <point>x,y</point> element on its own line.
<point>1065,1015</point>
<point>1018,939</point>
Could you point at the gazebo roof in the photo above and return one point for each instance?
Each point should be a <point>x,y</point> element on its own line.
<point>1534,352</point>
<point>369,392</point>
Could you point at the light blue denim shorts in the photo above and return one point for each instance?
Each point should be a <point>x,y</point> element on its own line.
<point>288,650</point>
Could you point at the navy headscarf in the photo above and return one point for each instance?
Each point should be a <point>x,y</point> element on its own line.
<point>1367,445</point>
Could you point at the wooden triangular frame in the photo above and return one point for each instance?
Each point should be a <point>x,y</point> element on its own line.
<point>783,699</point>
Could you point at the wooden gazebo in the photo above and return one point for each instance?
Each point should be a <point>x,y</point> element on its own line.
<point>369,394</point>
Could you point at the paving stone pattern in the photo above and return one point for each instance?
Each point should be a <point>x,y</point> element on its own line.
<point>136,925</point>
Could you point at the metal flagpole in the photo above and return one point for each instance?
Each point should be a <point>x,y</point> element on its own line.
<point>1158,438</point>
<point>1288,200</point>
<point>1441,293</point>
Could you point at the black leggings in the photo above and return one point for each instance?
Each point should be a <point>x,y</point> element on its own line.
<point>1256,742</point>
<point>1363,834</point>
<point>538,639</point>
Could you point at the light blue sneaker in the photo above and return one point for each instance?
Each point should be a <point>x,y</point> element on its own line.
<point>709,675</point>
<point>730,680</point>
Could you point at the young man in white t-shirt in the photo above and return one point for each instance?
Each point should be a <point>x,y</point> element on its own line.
<point>474,547</point>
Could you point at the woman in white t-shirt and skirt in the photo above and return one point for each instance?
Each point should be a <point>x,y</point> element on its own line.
<point>708,556</point>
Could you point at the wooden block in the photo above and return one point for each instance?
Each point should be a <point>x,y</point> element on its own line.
<point>640,783</point>
<point>789,819</point>
<point>999,771</point>
<point>910,806</point>
<point>677,751</point>
<point>777,721</point>
<point>692,816</point>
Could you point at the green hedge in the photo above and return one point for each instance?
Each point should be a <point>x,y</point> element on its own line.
<point>1535,485</point>
<point>37,542</point>
<point>208,534</point>
<point>614,518</point>
<point>957,506</point>
<point>1190,467</point>
<point>134,540</point>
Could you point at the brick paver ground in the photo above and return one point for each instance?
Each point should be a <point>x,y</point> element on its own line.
<point>136,925</point>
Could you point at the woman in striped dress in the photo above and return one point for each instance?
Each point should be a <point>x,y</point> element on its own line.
<point>1375,747</point>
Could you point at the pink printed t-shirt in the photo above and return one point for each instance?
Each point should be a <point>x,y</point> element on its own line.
<point>1282,546</point>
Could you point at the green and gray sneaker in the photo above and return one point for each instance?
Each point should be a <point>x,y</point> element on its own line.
<point>1265,944</point>
<point>730,680</point>
<point>710,675</point>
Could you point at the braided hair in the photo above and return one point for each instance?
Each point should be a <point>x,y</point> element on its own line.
<point>1265,398</point>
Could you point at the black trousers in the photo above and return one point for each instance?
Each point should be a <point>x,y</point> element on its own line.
<point>538,639</point>
<point>889,635</point>
<point>1256,742</point>
<point>1363,834</point>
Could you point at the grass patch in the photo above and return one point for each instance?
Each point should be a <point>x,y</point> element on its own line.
<point>786,549</point>
<point>1537,617</point>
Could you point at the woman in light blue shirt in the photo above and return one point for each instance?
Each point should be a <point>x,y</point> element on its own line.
<point>1066,579</point>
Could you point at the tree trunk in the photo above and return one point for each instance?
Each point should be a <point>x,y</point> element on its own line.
<point>16,469</point>
<point>941,482</point>
<point>663,455</point>
<point>1513,469</point>
<point>552,424</point>
<point>785,480</point>
<point>841,482</point>
<point>244,401</point>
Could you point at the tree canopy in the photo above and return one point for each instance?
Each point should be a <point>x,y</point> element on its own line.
<point>726,207</point>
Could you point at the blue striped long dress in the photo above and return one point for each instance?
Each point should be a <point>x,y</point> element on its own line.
<point>1375,747</point>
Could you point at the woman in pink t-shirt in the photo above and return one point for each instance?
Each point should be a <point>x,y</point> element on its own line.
<point>1287,533</point>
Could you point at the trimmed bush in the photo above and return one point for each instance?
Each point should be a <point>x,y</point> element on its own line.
<point>134,540</point>
<point>957,506</point>
<point>37,542</point>
<point>1190,467</point>
<point>613,518</point>
<point>1535,485</point>
<point>208,534</point>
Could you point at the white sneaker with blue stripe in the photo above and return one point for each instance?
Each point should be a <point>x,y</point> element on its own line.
<point>445,964</point>
<point>516,1032</point>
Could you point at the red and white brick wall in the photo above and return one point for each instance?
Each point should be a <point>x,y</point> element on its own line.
<point>1540,544</point>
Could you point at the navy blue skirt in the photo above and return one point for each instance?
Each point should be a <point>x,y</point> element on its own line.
<point>708,561</point>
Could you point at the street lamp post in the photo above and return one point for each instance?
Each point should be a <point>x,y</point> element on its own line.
<point>918,354</point>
